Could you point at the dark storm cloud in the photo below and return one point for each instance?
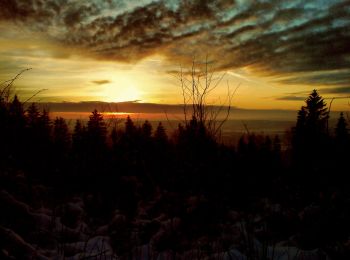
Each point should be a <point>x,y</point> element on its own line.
<point>272,37</point>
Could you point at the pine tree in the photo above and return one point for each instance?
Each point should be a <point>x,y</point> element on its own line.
<point>341,130</point>
<point>317,113</point>
<point>310,133</point>
<point>96,130</point>
<point>114,136</point>
<point>16,115</point>
<point>130,128</point>
<point>45,126</point>
<point>79,136</point>
<point>16,108</point>
<point>301,120</point>
<point>160,134</point>
<point>146,130</point>
<point>14,125</point>
<point>61,135</point>
<point>32,115</point>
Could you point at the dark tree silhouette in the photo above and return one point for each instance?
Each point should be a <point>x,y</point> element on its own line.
<point>342,141</point>
<point>317,113</point>
<point>146,130</point>
<point>61,136</point>
<point>310,137</point>
<point>45,125</point>
<point>79,137</point>
<point>14,123</point>
<point>96,130</point>
<point>160,134</point>
<point>114,137</point>
<point>301,120</point>
<point>32,115</point>
<point>130,128</point>
<point>341,130</point>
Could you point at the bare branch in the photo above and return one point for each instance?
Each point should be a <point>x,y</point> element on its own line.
<point>5,92</point>
<point>35,94</point>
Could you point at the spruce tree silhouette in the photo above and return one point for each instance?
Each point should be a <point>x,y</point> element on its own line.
<point>160,134</point>
<point>310,138</point>
<point>341,130</point>
<point>317,113</point>
<point>79,137</point>
<point>96,131</point>
<point>130,137</point>
<point>32,115</point>
<point>33,134</point>
<point>45,126</point>
<point>16,109</point>
<point>61,136</point>
<point>146,130</point>
<point>342,141</point>
<point>130,128</point>
<point>114,137</point>
<point>15,131</point>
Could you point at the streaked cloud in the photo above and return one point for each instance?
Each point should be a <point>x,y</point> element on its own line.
<point>291,98</point>
<point>279,36</point>
<point>288,42</point>
<point>101,82</point>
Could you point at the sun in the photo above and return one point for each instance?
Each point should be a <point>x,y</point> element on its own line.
<point>127,92</point>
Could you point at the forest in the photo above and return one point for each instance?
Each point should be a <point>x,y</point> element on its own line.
<point>98,192</point>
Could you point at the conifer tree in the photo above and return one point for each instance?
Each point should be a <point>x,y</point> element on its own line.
<point>61,135</point>
<point>79,136</point>
<point>96,130</point>
<point>114,136</point>
<point>16,115</point>
<point>45,126</point>
<point>160,133</point>
<point>146,129</point>
<point>32,115</point>
<point>130,128</point>
<point>317,113</point>
<point>341,130</point>
<point>310,138</point>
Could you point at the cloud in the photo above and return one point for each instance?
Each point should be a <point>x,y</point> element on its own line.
<point>101,82</point>
<point>336,90</point>
<point>271,37</point>
<point>291,98</point>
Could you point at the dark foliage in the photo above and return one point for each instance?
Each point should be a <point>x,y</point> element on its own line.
<point>201,187</point>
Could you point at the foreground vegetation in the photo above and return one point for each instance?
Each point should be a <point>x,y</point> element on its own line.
<point>138,193</point>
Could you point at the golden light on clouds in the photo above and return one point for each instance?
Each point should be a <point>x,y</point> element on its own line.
<point>107,51</point>
<point>124,92</point>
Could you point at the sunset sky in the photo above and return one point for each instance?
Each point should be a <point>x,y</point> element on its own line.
<point>125,50</point>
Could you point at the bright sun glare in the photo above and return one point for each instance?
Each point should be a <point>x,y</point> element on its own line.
<point>127,92</point>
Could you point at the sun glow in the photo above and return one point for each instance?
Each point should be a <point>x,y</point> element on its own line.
<point>113,93</point>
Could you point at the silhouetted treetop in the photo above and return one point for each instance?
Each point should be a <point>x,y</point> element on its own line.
<point>312,118</point>
<point>96,129</point>
<point>79,135</point>
<point>130,128</point>
<point>146,129</point>
<point>33,115</point>
<point>61,136</point>
<point>341,130</point>
<point>160,133</point>
<point>317,112</point>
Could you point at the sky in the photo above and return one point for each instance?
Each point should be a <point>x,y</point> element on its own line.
<point>277,51</point>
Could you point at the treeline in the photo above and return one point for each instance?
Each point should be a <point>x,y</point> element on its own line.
<point>122,167</point>
<point>92,153</point>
